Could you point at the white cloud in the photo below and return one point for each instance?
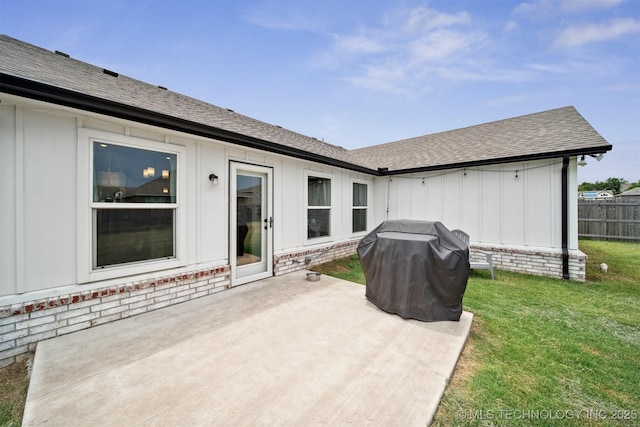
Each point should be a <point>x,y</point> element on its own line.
<point>508,100</point>
<point>359,44</point>
<point>406,51</point>
<point>386,77</point>
<point>577,35</point>
<point>442,45</point>
<point>576,5</point>
<point>583,67</point>
<point>423,19</point>
<point>511,26</point>
<point>412,50</point>
<point>551,8</point>
<point>631,88</point>
<point>375,83</point>
<point>283,15</point>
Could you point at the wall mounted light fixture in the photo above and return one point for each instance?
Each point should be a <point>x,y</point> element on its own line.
<point>213,178</point>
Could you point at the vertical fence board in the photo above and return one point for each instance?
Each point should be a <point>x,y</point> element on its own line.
<point>609,219</point>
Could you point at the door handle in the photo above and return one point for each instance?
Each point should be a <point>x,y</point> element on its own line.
<point>270,222</point>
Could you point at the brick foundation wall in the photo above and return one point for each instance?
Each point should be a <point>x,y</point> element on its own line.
<point>302,259</point>
<point>522,259</point>
<point>538,261</point>
<point>23,325</point>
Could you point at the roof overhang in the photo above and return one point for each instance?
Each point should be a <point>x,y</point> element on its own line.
<point>52,94</point>
<point>43,92</point>
<point>498,161</point>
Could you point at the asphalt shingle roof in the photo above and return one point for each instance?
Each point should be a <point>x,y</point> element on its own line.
<point>551,132</point>
<point>37,64</point>
<point>635,191</point>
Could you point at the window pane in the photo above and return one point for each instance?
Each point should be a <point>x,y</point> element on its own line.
<point>359,194</point>
<point>133,175</point>
<point>249,219</point>
<point>319,191</point>
<point>130,235</point>
<point>318,222</point>
<point>359,220</point>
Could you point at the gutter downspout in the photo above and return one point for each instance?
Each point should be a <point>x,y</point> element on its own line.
<point>565,217</point>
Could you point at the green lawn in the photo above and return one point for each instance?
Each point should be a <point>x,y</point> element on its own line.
<point>546,351</point>
<point>541,351</point>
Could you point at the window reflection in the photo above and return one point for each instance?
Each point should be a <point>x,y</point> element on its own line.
<point>133,175</point>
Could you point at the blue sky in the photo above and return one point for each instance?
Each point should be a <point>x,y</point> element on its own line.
<point>364,72</point>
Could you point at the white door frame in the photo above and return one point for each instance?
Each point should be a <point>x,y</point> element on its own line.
<point>243,271</point>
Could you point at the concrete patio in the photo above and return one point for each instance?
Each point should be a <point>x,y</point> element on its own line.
<point>281,351</point>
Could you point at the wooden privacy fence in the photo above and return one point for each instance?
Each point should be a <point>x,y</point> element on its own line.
<point>609,219</point>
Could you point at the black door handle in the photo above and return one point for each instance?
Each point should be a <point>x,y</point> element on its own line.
<point>269,222</point>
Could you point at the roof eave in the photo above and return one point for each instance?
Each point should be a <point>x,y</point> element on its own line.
<point>489,162</point>
<point>43,92</point>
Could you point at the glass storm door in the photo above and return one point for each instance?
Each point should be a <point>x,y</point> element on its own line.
<point>251,217</point>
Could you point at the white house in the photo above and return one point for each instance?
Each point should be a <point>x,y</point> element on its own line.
<point>120,197</point>
<point>596,195</point>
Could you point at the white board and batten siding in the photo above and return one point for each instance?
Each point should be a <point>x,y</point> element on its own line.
<point>45,167</point>
<point>516,204</point>
<point>49,288</point>
<point>517,218</point>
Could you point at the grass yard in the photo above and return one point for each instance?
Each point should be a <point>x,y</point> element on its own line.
<point>14,382</point>
<point>545,351</point>
<point>541,351</point>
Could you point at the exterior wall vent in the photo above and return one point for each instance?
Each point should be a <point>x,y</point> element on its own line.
<point>109,72</point>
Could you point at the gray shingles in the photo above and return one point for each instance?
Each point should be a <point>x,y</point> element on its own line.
<point>547,132</point>
<point>30,62</point>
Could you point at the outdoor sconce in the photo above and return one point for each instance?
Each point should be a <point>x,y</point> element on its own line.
<point>213,178</point>
<point>582,162</point>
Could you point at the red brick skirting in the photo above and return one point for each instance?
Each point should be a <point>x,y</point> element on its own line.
<point>537,261</point>
<point>23,325</point>
<point>301,259</point>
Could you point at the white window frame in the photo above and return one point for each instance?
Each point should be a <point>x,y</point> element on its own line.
<point>321,239</point>
<point>86,208</point>
<point>365,208</point>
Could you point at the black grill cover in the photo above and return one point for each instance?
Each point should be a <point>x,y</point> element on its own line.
<point>416,269</point>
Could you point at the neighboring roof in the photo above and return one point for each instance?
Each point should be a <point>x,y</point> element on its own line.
<point>37,73</point>
<point>634,192</point>
<point>548,134</point>
<point>595,194</point>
